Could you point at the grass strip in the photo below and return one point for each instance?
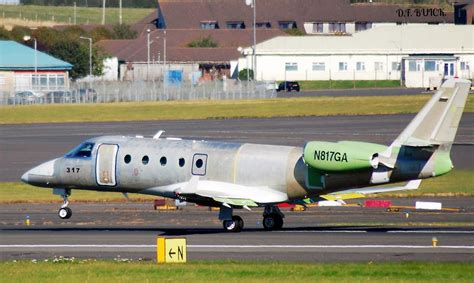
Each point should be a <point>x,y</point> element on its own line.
<point>183,110</point>
<point>456,183</point>
<point>233,271</point>
<point>313,85</point>
<point>65,14</point>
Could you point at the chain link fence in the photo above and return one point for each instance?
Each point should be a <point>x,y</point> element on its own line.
<point>138,91</point>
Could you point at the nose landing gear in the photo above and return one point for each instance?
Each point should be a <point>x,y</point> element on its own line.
<point>64,212</point>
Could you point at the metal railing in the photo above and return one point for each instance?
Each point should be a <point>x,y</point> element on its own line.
<point>137,91</point>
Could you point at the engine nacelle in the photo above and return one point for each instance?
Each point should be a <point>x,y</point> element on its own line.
<point>341,156</point>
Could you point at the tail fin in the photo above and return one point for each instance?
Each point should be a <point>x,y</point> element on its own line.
<point>422,149</point>
<point>438,121</point>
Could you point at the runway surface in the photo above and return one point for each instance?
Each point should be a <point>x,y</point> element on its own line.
<point>25,146</point>
<point>320,234</point>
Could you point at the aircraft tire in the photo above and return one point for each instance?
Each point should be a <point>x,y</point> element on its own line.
<point>272,222</point>
<point>65,213</point>
<point>234,225</point>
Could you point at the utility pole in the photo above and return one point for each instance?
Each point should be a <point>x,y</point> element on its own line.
<point>28,38</point>
<point>120,12</point>
<point>148,53</point>
<point>75,14</point>
<point>254,58</point>
<point>103,12</point>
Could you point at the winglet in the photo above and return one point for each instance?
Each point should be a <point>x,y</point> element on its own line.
<point>157,135</point>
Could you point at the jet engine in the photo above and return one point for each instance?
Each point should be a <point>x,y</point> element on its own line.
<point>341,156</point>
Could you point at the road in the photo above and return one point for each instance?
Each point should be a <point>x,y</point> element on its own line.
<point>25,146</point>
<point>321,234</point>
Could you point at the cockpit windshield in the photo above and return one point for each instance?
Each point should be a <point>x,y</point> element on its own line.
<point>84,150</point>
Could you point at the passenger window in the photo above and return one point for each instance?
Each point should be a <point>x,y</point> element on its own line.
<point>199,163</point>
<point>145,160</point>
<point>181,162</point>
<point>163,161</point>
<point>127,158</point>
<point>84,150</point>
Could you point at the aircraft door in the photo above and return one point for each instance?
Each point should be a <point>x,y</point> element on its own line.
<point>106,164</point>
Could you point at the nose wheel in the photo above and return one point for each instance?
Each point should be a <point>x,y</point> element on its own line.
<point>65,213</point>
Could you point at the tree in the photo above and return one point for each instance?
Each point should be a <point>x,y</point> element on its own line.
<point>101,33</point>
<point>18,32</point>
<point>294,32</point>
<point>204,42</point>
<point>243,74</point>
<point>123,31</point>
<point>77,53</point>
<point>4,33</point>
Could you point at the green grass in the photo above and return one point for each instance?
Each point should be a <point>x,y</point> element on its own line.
<point>16,192</point>
<point>65,14</point>
<point>312,85</point>
<point>182,110</point>
<point>235,271</point>
<point>456,183</point>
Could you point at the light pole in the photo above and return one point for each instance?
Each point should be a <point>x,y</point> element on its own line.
<point>148,53</point>
<point>164,62</point>
<point>253,4</point>
<point>28,38</point>
<point>90,54</point>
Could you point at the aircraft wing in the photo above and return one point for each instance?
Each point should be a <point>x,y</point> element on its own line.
<point>361,192</point>
<point>233,194</point>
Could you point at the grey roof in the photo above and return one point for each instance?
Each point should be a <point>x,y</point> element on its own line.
<point>404,39</point>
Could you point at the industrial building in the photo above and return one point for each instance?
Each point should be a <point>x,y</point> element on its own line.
<point>415,54</point>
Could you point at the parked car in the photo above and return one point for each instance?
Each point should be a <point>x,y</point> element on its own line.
<point>58,96</point>
<point>26,97</point>
<point>289,86</point>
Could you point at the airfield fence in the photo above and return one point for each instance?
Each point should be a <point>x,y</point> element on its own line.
<point>138,91</point>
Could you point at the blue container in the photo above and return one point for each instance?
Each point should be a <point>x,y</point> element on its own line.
<point>174,77</point>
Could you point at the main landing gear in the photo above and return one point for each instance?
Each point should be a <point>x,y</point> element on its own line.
<point>272,219</point>
<point>231,223</point>
<point>64,212</point>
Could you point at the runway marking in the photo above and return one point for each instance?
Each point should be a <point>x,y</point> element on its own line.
<point>245,246</point>
<point>375,231</point>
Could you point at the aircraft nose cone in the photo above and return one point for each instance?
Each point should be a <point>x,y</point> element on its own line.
<point>24,177</point>
<point>40,175</point>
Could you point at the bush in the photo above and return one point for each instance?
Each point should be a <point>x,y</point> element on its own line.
<point>243,74</point>
<point>205,42</point>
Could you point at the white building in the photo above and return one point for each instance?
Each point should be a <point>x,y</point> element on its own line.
<point>415,54</point>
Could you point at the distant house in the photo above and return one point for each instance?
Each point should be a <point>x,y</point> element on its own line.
<point>309,16</point>
<point>21,68</point>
